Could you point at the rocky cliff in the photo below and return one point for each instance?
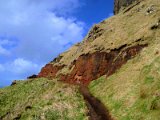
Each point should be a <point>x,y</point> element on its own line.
<point>118,4</point>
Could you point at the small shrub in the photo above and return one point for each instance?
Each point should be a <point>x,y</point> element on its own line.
<point>143,93</point>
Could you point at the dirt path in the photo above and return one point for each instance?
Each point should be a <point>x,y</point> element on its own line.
<point>97,110</point>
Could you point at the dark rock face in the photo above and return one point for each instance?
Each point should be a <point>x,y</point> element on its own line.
<point>32,76</point>
<point>14,82</point>
<point>118,4</point>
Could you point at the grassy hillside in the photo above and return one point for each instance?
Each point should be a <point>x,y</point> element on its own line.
<point>133,92</point>
<point>42,99</point>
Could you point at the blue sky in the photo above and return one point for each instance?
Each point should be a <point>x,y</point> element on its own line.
<point>34,32</point>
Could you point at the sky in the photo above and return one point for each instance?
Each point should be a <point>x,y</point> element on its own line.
<point>34,32</point>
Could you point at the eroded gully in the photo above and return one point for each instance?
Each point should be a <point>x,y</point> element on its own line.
<point>97,110</point>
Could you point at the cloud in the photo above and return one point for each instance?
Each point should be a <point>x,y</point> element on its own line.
<point>36,31</point>
<point>47,38</point>
<point>1,68</point>
<point>22,66</point>
<point>41,32</point>
<point>3,50</point>
<point>18,69</point>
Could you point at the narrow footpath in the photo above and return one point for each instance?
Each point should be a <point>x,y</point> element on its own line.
<point>97,110</point>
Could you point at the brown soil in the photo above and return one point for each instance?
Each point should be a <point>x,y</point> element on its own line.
<point>89,67</point>
<point>97,110</point>
<point>50,71</point>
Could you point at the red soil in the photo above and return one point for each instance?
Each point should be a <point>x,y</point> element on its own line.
<point>89,67</point>
<point>49,71</point>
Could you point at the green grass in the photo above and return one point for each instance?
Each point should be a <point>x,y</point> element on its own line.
<point>130,94</point>
<point>42,99</point>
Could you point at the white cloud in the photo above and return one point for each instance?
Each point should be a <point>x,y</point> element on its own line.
<point>1,68</point>
<point>21,66</point>
<point>43,28</point>
<point>18,69</point>
<point>47,37</point>
<point>4,42</point>
<point>39,28</point>
<point>4,51</point>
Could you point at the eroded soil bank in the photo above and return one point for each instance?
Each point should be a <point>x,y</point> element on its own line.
<point>89,67</point>
<point>97,111</point>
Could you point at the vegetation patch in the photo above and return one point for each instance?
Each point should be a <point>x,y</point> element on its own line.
<point>42,99</point>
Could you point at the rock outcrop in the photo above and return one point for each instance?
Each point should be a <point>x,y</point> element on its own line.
<point>118,4</point>
<point>32,76</point>
<point>14,82</point>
